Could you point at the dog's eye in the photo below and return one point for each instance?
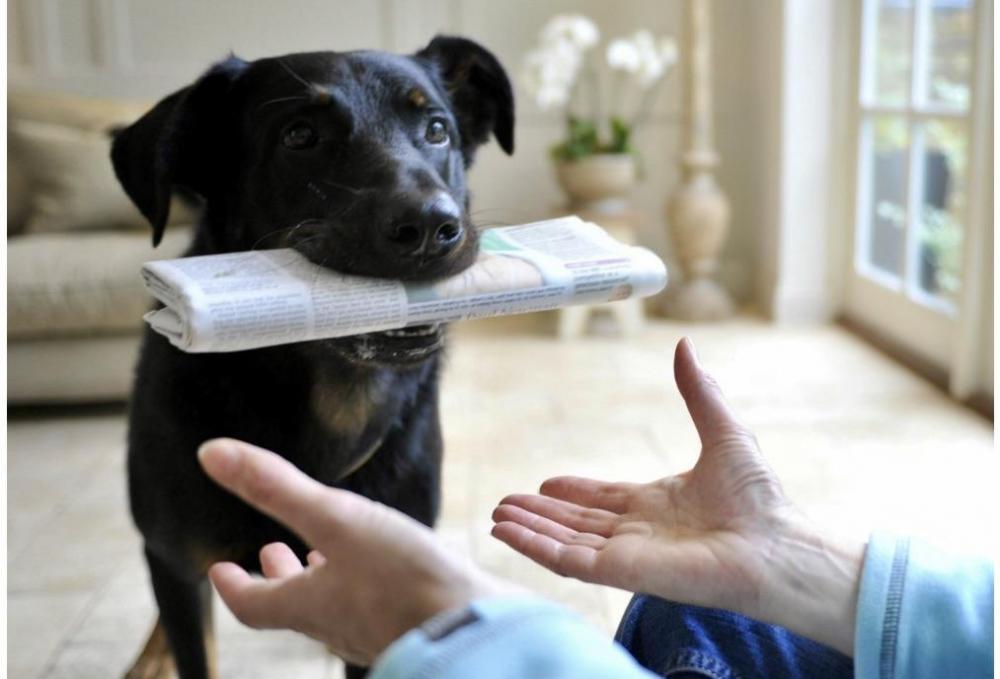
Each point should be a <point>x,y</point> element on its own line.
<point>299,135</point>
<point>437,132</point>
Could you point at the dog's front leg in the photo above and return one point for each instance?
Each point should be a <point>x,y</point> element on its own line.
<point>184,630</point>
<point>154,660</point>
<point>205,592</point>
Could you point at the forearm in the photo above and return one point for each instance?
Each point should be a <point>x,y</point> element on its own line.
<point>811,585</point>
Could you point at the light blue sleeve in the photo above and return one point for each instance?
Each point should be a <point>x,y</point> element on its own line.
<point>507,638</point>
<point>923,613</point>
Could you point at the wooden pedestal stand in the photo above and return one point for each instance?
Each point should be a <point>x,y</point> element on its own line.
<point>698,212</point>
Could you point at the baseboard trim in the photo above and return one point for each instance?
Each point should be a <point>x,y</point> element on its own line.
<point>980,402</point>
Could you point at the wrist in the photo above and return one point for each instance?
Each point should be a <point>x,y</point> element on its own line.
<point>811,584</point>
<point>451,594</point>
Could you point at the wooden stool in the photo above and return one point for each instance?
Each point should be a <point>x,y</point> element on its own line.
<point>629,315</point>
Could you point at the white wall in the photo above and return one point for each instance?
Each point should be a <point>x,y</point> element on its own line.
<point>796,285</point>
<point>742,92</point>
<point>147,48</point>
<point>986,380</point>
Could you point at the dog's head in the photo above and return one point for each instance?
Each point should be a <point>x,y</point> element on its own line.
<point>356,159</point>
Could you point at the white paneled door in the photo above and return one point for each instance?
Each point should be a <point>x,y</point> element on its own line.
<point>919,99</point>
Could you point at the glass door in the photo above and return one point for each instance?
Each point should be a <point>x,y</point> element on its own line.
<point>913,129</point>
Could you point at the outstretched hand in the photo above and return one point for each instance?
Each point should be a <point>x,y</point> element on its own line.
<point>375,573</point>
<point>722,534</point>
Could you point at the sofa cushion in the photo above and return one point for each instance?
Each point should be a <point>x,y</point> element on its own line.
<point>72,185</point>
<point>61,145</point>
<point>81,284</point>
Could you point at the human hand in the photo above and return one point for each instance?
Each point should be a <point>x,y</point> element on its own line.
<point>374,574</point>
<point>722,534</point>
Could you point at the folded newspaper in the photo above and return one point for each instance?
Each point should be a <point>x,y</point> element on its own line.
<point>246,300</point>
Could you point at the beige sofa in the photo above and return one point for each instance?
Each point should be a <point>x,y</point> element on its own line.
<point>74,247</point>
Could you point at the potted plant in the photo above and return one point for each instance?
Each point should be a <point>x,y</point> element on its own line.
<point>604,103</point>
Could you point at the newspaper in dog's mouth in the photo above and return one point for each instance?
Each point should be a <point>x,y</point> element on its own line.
<point>245,300</point>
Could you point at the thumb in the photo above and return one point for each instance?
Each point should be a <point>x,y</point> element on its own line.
<point>711,414</point>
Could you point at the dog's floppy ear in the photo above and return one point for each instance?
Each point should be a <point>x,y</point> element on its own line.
<point>180,143</point>
<point>479,88</point>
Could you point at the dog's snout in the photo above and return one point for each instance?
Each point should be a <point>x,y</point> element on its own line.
<point>431,229</point>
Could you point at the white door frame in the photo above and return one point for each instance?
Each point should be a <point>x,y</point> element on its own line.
<point>950,342</point>
<point>973,343</point>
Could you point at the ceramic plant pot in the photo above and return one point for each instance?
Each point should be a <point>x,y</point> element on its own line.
<point>599,181</point>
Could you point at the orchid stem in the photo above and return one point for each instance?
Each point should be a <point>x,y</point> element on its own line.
<point>595,82</point>
<point>645,105</point>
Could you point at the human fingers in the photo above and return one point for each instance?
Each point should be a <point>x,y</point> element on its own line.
<point>315,559</point>
<point>711,413</point>
<point>277,560</point>
<point>273,485</point>
<point>582,519</point>
<point>576,561</point>
<point>611,497</point>
<point>545,526</point>
<point>257,603</point>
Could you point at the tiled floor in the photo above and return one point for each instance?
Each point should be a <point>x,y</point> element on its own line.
<point>859,441</point>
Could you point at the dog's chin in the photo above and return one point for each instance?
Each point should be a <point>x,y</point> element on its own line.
<point>402,348</point>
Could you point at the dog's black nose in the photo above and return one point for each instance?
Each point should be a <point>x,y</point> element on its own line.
<point>432,230</point>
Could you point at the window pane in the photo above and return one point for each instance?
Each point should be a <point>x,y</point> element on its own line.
<point>885,155</point>
<point>943,208</point>
<point>952,31</point>
<point>893,52</point>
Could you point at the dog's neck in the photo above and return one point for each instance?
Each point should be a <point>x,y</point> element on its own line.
<point>351,401</point>
<point>346,406</point>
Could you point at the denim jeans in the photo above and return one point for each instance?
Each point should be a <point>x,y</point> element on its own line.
<point>689,642</point>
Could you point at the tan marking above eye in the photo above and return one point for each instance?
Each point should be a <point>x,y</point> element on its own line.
<point>417,97</point>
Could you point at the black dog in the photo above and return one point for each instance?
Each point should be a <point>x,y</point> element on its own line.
<point>357,160</point>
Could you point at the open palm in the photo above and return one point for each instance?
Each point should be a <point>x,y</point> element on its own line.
<point>702,537</point>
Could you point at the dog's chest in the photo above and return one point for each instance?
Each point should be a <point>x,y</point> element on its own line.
<point>346,408</point>
<point>356,415</point>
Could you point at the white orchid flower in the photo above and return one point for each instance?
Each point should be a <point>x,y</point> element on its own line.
<point>622,55</point>
<point>668,51</point>
<point>653,60</point>
<point>644,42</point>
<point>549,98</point>
<point>575,29</point>
<point>549,74</point>
<point>564,60</point>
